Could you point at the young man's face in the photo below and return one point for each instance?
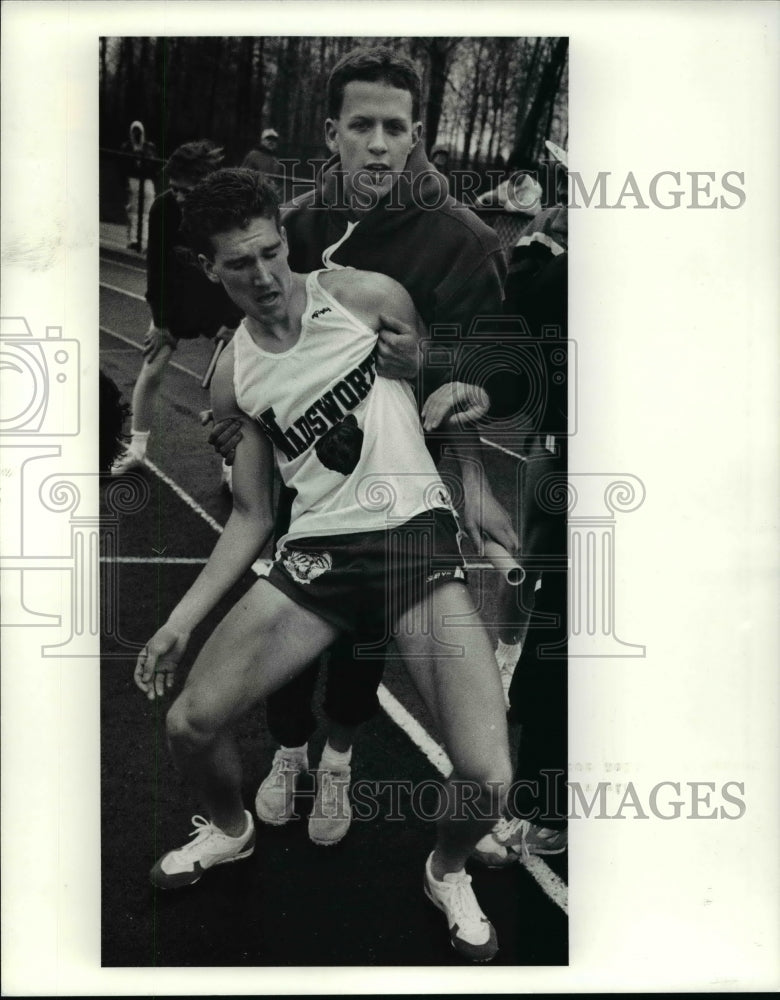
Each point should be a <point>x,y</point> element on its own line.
<point>181,187</point>
<point>252,266</point>
<point>373,134</point>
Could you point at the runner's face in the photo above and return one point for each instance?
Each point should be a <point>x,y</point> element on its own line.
<point>252,266</point>
<point>181,187</point>
<point>373,134</point>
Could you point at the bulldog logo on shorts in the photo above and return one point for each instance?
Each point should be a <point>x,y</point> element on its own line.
<point>304,567</point>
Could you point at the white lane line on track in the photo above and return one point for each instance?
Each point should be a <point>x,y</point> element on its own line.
<point>554,886</point>
<point>120,263</point>
<point>154,560</point>
<point>406,721</point>
<point>132,343</point>
<point>122,291</point>
<point>547,880</point>
<point>182,495</point>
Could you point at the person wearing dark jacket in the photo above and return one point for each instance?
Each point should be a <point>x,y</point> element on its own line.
<point>537,291</point>
<point>183,302</point>
<point>379,205</point>
<point>263,160</point>
<point>140,165</point>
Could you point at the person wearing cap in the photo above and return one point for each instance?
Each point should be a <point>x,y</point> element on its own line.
<point>264,159</point>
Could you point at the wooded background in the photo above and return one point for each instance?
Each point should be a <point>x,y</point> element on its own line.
<point>493,101</point>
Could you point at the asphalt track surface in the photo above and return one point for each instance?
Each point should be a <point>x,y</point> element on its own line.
<point>292,903</point>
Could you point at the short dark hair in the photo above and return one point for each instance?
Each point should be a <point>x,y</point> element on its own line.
<point>227,199</point>
<point>379,64</point>
<point>194,160</point>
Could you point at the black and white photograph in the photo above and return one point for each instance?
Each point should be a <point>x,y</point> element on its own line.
<point>389,594</point>
<point>393,212</point>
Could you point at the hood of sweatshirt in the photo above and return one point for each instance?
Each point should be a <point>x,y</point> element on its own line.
<point>418,186</point>
<point>139,125</point>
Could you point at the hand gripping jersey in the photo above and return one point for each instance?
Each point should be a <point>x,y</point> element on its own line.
<point>347,441</point>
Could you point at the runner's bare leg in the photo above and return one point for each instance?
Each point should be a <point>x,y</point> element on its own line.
<point>454,668</point>
<point>264,641</point>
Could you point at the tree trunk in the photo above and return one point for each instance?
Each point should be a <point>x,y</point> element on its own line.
<point>473,106</point>
<point>440,52</point>
<point>529,72</point>
<point>526,141</point>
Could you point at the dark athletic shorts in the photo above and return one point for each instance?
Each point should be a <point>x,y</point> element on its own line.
<point>364,581</point>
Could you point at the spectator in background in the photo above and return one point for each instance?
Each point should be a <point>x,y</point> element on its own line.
<point>140,167</point>
<point>537,291</point>
<point>264,159</point>
<point>440,158</point>
<point>184,303</point>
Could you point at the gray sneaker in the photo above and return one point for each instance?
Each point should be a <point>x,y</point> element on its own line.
<point>274,799</point>
<point>127,461</point>
<point>331,813</point>
<point>513,840</point>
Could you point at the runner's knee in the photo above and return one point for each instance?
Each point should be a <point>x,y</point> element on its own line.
<point>188,728</point>
<point>491,783</point>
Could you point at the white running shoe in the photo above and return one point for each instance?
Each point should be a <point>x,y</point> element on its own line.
<point>127,461</point>
<point>331,813</point>
<point>210,846</point>
<point>274,799</point>
<point>511,840</point>
<point>471,933</point>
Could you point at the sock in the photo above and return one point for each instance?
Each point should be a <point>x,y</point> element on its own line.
<point>139,441</point>
<point>301,752</point>
<point>333,760</point>
<point>507,654</point>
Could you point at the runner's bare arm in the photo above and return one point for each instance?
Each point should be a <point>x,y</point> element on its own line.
<point>385,305</point>
<point>247,531</point>
<point>452,409</point>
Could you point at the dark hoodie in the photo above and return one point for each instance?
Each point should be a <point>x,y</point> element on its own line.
<point>448,260</point>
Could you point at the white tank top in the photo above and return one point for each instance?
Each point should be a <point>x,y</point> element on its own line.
<point>347,441</point>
